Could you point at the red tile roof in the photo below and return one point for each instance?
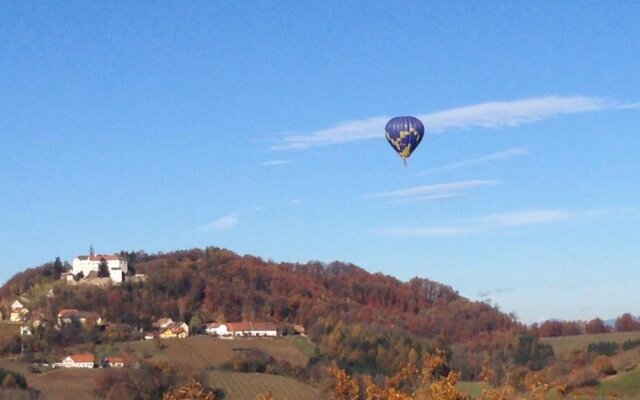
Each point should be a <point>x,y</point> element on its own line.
<point>250,326</point>
<point>98,257</point>
<point>83,358</point>
<point>67,312</point>
<point>115,360</point>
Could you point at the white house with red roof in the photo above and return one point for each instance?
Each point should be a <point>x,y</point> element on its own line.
<point>67,315</point>
<point>114,362</point>
<point>242,329</point>
<point>83,360</point>
<point>118,267</point>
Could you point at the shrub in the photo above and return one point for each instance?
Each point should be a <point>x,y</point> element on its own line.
<point>603,348</point>
<point>604,366</point>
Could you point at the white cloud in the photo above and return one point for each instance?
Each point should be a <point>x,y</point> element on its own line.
<point>631,105</point>
<point>499,156</point>
<point>512,113</point>
<point>341,133</point>
<point>487,115</point>
<point>275,162</point>
<point>434,231</point>
<point>220,224</point>
<point>431,192</point>
<point>433,197</point>
<point>522,218</point>
<point>294,201</point>
<point>509,219</point>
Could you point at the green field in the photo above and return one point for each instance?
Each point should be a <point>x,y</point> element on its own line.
<point>58,384</point>
<point>625,385</point>
<point>78,384</point>
<point>239,386</point>
<point>566,344</point>
<point>473,389</point>
<point>202,352</point>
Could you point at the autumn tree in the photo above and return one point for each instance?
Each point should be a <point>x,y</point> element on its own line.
<point>597,326</point>
<point>627,323</point>
<point>192,390</point>
<point>410,383</point>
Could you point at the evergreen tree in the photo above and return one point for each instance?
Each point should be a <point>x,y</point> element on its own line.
<point>103,269</point>
<point>57,268</point>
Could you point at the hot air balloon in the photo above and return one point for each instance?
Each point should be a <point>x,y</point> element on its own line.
<point>404,135</point>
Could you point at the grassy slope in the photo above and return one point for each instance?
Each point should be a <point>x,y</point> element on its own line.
<point>566,344</point>
<point>198,353</point>
<point>76,384</point>
<point>201,352</point>
<point>239,386</point>
<point>9,329</point>
<point>624,385</point>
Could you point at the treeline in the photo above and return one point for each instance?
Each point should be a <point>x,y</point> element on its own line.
<point>624,323</point>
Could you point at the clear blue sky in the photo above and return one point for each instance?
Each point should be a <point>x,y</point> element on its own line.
<point>259,127</point>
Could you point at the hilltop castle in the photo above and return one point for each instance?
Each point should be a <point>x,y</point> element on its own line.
<point>88,265</point>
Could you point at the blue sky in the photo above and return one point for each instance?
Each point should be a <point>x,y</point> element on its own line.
<point>259,127</point>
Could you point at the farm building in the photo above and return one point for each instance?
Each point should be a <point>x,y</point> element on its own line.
<point>242,329</point>
<point>114,362</point>
<point>67,315</point>
<point>84,360</point>
<point>175,330</point>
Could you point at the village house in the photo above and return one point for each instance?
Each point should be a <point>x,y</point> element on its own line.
<point>19,313</point>
<point>174,330</point>
<point>86,264</point>
<point>162,323</point>
<point>299,330</point>
<point>242,329</point>
<point>67,315</point>
<point>114,362</point>
<point>37,319</point>
<point>215,329</point>
<point>84,360</point>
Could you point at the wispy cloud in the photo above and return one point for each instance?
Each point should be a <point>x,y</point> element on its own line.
<point>433,231</point>
<point>509,219</point>
<point>221,224</point>
<point>486,115</point>
<point>525,217</point>
<point>275,162</point>
<point>498,156</point>
<point>294,202</point>
<point>631,105</point>
<point>431,192</point>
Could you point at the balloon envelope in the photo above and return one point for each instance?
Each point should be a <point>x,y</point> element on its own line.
<point>404,134</point>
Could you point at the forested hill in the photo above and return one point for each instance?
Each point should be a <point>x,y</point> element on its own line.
<point>366,322</point>
<point>216,284</point>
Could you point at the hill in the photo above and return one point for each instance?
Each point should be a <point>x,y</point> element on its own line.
<point>366,322</point>
<point>217,284</point>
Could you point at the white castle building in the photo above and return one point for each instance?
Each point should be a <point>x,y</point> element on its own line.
<point>88,264</point>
